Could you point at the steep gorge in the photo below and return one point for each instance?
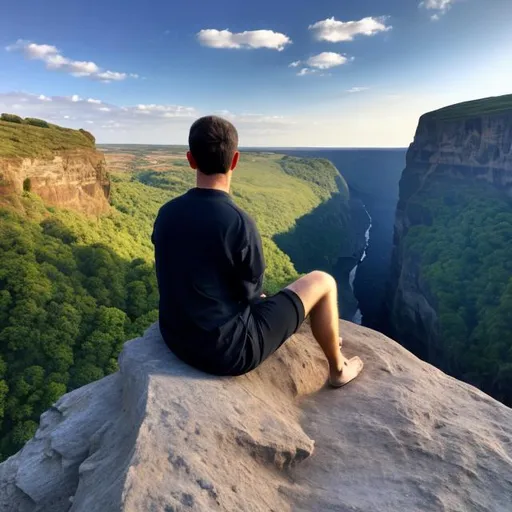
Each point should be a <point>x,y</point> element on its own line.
<point>451,278</point>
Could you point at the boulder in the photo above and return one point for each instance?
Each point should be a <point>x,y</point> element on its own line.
<point>159,436</point>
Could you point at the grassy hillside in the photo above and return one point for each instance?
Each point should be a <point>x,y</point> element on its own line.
<point>474,108</point>
<point>73,288</point>
<point>28,141</point>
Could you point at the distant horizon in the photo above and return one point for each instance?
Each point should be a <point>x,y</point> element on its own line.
<point>267,148</point>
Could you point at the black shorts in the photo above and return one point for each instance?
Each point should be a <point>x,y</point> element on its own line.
<point>259,332</point>
<point>271,322</point>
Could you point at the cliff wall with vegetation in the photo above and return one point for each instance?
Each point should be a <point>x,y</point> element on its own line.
<point>450,297</point>
<point>60,165</point>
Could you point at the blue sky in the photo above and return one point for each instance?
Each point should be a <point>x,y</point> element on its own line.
<point>288,73</point>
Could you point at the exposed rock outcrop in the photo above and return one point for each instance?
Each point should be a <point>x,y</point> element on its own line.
<point>453,145</point>
<point>160,436</point>
<point>74,179</point>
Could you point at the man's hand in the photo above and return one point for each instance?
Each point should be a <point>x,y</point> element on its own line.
<point>263,296</point>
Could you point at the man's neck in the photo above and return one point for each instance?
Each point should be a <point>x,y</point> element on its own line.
<point>214,182</point>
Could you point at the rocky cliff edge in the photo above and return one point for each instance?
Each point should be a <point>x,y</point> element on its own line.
<point>160,436</point>
<point>465,144</point>
<point>59,164</point>
<point>75,179</point>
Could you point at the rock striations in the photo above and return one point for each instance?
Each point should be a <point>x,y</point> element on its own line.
<point>59,164</point>
<point>75,179</point>
<point>160,436</point>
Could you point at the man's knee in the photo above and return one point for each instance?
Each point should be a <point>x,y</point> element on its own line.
<point>323,279</point>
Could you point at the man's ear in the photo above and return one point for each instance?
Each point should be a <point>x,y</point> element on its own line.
<point>234,162</point>
<point>191,160</point>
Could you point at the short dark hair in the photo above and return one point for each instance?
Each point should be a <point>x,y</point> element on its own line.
<point>213,142</point>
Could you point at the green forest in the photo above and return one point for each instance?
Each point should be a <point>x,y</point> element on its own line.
<point>74,288</point>
<point>464,248</point>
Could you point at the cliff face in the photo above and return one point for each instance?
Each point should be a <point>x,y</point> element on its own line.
<point>469,144</point>
<point>159,435</point>
<point>74,179</point>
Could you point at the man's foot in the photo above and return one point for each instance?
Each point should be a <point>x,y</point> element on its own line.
<point>341,341</point>
<point>351,369</point>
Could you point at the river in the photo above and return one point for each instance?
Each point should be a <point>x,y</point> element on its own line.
<point>358,317</point>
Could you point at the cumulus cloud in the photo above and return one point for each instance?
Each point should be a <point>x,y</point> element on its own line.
<point>322,61</point>
<point>55,61</point>
<point>251,39</point>
<point>295,64</point>
<point>335,31</point>
<point>326,60</point>
<point>440,6</point>
<point>357,89</point>
<point>165,110</point>
<point>144,123</point>
<point>55,108</point>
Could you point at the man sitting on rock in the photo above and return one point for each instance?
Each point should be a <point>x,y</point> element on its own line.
<point>210,266</point>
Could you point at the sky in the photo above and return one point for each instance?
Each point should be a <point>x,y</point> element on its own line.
<point>287,73</point>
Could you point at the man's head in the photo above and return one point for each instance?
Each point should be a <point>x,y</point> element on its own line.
<point>213,143</point>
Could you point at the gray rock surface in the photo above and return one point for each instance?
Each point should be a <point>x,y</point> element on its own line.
<point>160,436</point>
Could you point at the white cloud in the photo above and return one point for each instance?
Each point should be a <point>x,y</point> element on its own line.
<point>108,76</point>
<point>57,107</point>
<point>35,51</point>
<point>251,39</point>
<point>161,123</point>
<point>441,6</point>
<point>165,110</point>
<point>55,61</point>
<point>322,61</point>
<point>335,31</point>
<point>306,71</point>
<point>295,64</point>
<point>357,89</point>
<point>326,60</point>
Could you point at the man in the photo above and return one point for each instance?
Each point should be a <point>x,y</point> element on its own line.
<point>210,266</point>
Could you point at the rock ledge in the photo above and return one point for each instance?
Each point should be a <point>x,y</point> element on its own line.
<point>160,436</point>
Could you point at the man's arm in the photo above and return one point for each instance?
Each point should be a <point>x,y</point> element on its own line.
<point>252,263</point>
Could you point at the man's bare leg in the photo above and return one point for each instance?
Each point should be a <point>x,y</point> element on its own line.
<point>318,292</point>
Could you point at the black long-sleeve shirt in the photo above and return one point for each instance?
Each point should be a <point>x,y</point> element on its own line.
<point>210,266</point>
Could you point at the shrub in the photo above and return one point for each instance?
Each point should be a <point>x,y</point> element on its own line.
<point>27,185</point>
<point>36,122</point>
<point>11,118</point>
<point>89,135</point>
